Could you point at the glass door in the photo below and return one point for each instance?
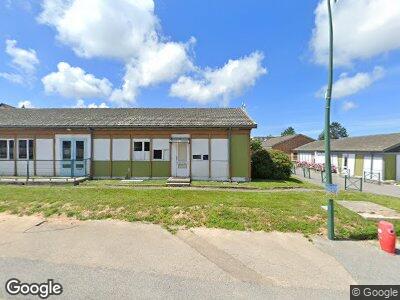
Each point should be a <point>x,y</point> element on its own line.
<point>73,162</point>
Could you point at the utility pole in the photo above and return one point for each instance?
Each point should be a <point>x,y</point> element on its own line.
<point>328,98</point>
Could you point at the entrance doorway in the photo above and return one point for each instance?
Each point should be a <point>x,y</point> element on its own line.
<point>73,163</point>
<point>180,158</point>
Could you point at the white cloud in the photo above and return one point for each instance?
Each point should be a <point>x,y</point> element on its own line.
<point>81,104</point>
<point>162,62</point>
<point>220,84</point>
<point>349,105</point>
<point>74,82</point>
<point>362,29</point>
<point>25,104</point>
<point>346,86</point>
<point>13,77</point>
<point>25,60</point>
<point>93,28</point>
<point>129,31</point>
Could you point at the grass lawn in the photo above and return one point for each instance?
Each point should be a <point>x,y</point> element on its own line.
<point>260,184</point>
<point>256,184</point>
<point>293,211</point>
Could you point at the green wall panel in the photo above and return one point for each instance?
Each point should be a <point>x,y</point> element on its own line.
<point>240,155</point>
<point>390,167</point>
<point>359,165</point>
<point>161,169</point>
<point>101,168</point>
<point>141,169</point>
<point>121,169</point>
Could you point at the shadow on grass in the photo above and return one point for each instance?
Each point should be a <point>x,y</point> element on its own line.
<point>293,180</point>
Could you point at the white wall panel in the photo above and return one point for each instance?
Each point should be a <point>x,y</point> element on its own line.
<point>219,159</point>
<point>44,149</point>
<point>162,144</point>
<point>367,163</point>
<point>101,149</point>
<point>377,165</point>
<point>398,167</point>
<point>44,168</point>
<point>351,163</point>
<point>7,167</point>
<point>120,149</point>
<point>23,166</point>
<point>200,168</point>
<point>140,155</point>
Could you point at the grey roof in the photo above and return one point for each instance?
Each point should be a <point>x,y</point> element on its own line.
<point>5,105</point>
<point>368,143</point>
<point>125,117</point>
<point>269,142</point>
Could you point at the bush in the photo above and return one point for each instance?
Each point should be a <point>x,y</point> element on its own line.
<point>272,164</point>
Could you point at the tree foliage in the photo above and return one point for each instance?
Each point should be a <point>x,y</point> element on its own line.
<point>337,131</point>
<point>255,145</point>
<point>288,131</point>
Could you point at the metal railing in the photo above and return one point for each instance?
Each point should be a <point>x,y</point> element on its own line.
<point>306,173</point>
<point>372,177</point>
<point>353,183</point>
<point>44,168</point>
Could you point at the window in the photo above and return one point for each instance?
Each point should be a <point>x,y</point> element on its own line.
<point>205,157</point>
<point>66,150</point>
<point>345,161</point>
<point>146,146</point>
<point>3,149</point>
<point>22,149</point>
<point>80,150</point>
<point>196,156</point>
<point>137,146</point>
<point>157,154</point>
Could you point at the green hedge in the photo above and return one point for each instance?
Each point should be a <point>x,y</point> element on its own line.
<point>271,164</point>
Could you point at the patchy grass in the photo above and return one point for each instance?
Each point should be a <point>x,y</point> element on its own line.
<point>260,184</point>
<point>286,211</point>
<point>119,182</point>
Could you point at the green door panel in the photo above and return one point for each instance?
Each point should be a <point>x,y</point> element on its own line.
<point>390,166</point>
<point>359,165</point>
<point>240,159</point>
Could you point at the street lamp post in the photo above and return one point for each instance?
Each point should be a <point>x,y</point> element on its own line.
<point>328,97</point>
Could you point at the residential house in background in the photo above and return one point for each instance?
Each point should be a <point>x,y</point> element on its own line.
<point>376,156</point>
<point>287,143</point>
<point>4,105</point>
<point>212,143</point>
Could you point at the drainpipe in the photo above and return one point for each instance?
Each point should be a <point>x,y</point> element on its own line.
<point>229,152</point>
<point>91,153</point>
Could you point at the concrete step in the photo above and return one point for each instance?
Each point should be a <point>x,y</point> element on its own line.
<point>179,179</point>
<point>178,184</point>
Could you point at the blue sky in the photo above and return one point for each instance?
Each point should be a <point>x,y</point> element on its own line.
<point>268,54</point>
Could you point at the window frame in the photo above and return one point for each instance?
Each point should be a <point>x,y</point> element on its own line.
<point>30,149</point>
<point>162,154</point>
<point>10,154</point>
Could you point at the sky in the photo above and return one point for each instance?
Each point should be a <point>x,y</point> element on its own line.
<point>269,55</point>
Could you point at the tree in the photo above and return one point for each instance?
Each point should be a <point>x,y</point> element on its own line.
<point>288,131</point>
<point>255,145</point>
<point>337,131</point>
<point>271,164</point>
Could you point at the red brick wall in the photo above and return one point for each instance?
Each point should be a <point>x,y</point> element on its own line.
<point>293,143</point>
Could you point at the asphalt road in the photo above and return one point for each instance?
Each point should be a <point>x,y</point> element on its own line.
<point>114,260</point>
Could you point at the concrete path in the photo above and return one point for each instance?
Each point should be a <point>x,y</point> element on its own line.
<point>381,189</point>
<point>113,259</point>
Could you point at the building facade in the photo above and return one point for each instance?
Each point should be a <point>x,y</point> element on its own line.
<point>204,144</point>
<point>287,143</point>
<point>375,156</point>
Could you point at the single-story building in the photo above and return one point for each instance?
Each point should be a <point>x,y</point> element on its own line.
<point>287,143</point>
<point>209,143</point>
<point>378,155</point>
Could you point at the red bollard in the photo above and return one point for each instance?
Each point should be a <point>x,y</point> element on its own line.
<point>387,237</point>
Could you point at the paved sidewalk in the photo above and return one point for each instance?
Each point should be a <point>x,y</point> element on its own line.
<point>381,189</point>
<point>114,259</point>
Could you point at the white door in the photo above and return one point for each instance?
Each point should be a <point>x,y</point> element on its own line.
<point>398,167</point>
<point>182,160</point>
